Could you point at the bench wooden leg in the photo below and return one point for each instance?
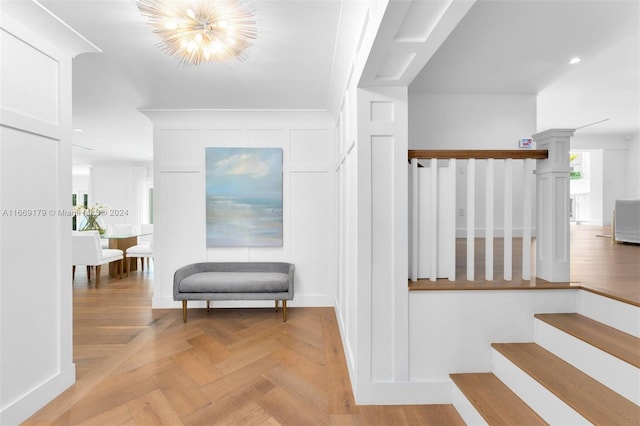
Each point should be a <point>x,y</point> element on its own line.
<point>184,311</point>
<point>277,305</point>
<point>208,305</point>
<point>284,311</point>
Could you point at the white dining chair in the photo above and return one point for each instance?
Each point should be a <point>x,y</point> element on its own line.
<point>142,250</point>
<point>86,250</point>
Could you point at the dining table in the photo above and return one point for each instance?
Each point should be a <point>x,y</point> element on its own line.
<point>122,241</point>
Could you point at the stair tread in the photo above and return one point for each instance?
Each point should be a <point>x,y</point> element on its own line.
<point>496,403</point>
<point>593,400</point>
<point>608,339</point>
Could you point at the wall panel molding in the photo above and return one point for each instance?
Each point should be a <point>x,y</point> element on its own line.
<point>35,170</point>
<point>307,187</point>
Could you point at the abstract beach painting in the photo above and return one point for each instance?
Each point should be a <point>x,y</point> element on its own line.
<point>244,197</point>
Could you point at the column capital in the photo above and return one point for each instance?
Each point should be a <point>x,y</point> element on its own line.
<point>556,142</point>
<point>553,133</point>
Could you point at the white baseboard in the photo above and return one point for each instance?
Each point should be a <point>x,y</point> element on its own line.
<point>436,392</point>
<point>299,301</point>
<point>23,408</point>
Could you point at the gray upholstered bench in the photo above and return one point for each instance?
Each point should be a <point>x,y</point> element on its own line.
<point>234,281</point>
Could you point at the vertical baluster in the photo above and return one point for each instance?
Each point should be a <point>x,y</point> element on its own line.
<point>452,243</point>
<point>414,219</point>
<point>434,223</point>
<point>488,263</point>
<point>508,218</point>
<point>471,218</point>
<point>526,218</point>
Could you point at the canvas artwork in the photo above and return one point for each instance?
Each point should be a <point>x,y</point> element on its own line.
<point>244,197</point>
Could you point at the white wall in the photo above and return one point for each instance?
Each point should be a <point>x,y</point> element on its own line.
<point>452,330</point>
<point>36,360</point>
<point>109,186</point>
<point>470,121</point>
<point>81,181</point>
<point>475,121</point>
<point>307,140</point>
<point>371,294</point>
<point>615,181</point>
<point>614,166</point>
<point>633,167</point>
<point>597,184</point>
<point>121,187</point>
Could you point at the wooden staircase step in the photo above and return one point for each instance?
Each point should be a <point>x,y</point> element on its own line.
<point>608,339</point>
<point>496,403</point>
<point>593,400</point>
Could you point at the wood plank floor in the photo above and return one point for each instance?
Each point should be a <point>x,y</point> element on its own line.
<point>597,264</point>
<point>138,366</point>
<point>602,266</point>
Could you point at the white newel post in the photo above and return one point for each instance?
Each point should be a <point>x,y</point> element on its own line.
<point>552,178</point>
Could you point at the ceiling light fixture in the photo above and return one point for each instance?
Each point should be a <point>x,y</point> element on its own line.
<point>198,31</point>
<point>575,60</point>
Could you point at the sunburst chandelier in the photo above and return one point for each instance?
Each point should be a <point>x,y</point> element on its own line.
<point>197,31</point>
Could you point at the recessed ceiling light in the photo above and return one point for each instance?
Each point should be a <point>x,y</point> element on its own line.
<point>78,130</point>
<point>575,60</point>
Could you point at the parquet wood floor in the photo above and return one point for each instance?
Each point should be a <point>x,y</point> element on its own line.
<point>138,366</point>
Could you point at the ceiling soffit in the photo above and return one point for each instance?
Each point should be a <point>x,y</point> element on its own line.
<point>411,32</point>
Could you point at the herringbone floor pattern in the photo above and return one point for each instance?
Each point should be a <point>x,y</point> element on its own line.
<point>138,366</point>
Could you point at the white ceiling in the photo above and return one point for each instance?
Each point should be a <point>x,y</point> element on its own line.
<point>302,55</point>
<point>521,46</point>
<point>291,67</point>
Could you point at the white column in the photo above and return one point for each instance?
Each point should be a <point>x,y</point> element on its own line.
<point>382,353</point>
<point>552,177</point>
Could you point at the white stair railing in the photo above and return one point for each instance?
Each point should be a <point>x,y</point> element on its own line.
<point>433,209</point>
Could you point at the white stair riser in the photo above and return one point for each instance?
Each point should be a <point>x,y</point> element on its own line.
<point>465,408</point>
<point>543,402</point>
<point>612,372</point>
<point>623,316</point>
